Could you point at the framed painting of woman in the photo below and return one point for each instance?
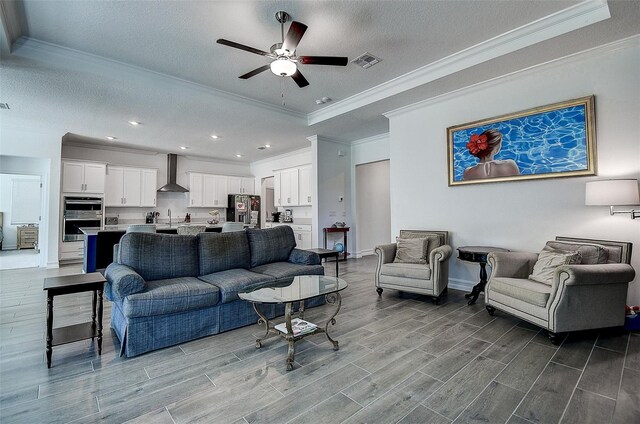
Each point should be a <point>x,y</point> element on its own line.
<point>552,141</point>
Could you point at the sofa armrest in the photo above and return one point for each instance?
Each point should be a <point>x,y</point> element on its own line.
<point>304,257</point>
<point>580,275</point>
<point>511,264</point>
<point>122,281</point>
<point>386,252</point>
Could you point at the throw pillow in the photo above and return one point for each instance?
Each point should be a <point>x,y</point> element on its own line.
<point>549,260</point>
<point>591,253</point>
<point>411,250</point>
<point>433,241</point>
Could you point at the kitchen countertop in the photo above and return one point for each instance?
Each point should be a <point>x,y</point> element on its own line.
<point>121,227</point>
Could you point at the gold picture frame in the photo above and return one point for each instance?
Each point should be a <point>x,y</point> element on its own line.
<point>552,141</point>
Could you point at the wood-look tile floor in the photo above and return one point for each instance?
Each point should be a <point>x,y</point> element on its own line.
<point>401,359</point>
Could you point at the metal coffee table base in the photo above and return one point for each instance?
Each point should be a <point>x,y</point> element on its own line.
<point>270,331</point>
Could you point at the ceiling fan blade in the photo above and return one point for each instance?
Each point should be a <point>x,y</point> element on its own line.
<point>254,72</point>
<point>323,60</point>
<point>299,79</point>
<point>294,35</point>
<point>241,47</point>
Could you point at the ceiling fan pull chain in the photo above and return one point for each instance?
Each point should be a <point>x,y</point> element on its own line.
<point>282,89</point>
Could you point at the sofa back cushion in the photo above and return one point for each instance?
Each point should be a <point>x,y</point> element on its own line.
<point>160,256</point>
<point>223,251</point>
<point>270,244</point>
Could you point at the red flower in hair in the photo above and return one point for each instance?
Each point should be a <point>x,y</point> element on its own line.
<point>477,143</point>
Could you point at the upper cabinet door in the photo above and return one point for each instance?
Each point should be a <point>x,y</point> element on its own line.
<point>222,191</point>
<point>149,187</point>
<point>209,197</point>
<point>234,185</point>
<point>248,186</point>
<point>304,185</point>
<point>196,187</point>
<point>94,176</point>
<point>132,187</point>
<point>293,194</point>
<point>72,177</point>
<point>114,185</point>
<point>277,188</point>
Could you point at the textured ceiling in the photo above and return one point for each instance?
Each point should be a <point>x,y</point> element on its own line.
<point>136,60</point>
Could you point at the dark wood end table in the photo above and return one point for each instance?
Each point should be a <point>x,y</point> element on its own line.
<point>344,231</point>
<point>326,253</point>
<point>477,254</point>
<point>69,284</point>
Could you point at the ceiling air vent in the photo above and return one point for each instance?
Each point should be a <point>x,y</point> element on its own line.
<point>4,106</point>
<point>366,60</point>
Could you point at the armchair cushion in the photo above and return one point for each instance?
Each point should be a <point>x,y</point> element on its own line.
<point>406,270</point>
<point>591,253</point>
<point>433,240</point>
<point>412,250</point>
<point>549,260</point>
<point>528,291</point>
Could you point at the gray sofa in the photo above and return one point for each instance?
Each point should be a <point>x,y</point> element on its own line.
<point>167,289</point>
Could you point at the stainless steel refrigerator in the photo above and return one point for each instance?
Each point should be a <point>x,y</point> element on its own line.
<point>244,208</point>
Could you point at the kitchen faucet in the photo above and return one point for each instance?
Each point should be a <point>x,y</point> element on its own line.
<point>169,218</point>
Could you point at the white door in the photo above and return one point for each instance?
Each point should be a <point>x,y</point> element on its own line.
<point>209,191</point>
<point>293,194</point>
<point>196,186</point>
<point>304,185</point>
<point>72,177</point>
<point>235,185</point>
<point>285,187</point>
<point>113,187</point>
<point>277,189</point>
<point>94,176</point>
<point>149,183</point>
<point>248,186</point>
<point>132,187</point>
<point>222,191</point>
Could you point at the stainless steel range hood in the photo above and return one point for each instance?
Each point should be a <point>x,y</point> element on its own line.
<point>171,186</point>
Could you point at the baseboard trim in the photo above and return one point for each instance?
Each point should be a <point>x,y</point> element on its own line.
<point>462,285</point>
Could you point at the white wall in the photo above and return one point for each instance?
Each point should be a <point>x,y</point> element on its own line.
<point>10,231</point>
<point>373,211</point>
<point>520,215</point>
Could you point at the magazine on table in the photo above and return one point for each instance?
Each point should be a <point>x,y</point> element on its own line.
<point>298,326</point>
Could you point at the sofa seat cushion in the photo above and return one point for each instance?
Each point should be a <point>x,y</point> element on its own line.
<point>223,251</point>
<point>171,296</point>
<point>406,270</point>
<point>287,269</point>
<point>528,291</point>
<point>233,280</point>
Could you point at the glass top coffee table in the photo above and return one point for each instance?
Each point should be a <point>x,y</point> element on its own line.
<point>295,290</point>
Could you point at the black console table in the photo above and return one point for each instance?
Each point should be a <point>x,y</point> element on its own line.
<point>477,254</point>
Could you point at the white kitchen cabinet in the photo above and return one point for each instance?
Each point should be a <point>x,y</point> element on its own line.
<point>132,187</point>
<point>304,185</point>
<point>234,185</point>
<point>83,177</point>
<point>149,187</point>
<point>241,185</point>
<point>277,192</point>
<point>288,187</point>
<point>206,190</point>
<point>302,234</point>
<point>248,185</point>
<point>71,250</point>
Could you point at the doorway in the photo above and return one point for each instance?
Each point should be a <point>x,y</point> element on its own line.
<point>373,206</point>
<point>20,219</point>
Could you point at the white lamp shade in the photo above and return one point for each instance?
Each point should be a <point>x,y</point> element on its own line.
<point>283,67</point>
<point>612,193</point>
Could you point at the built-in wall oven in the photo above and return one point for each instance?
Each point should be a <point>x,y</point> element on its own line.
<point>80,212</point>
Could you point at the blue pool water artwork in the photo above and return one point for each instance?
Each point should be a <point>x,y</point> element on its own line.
<point>542,143</point>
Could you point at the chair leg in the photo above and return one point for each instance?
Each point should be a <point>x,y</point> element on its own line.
<point>555,338</point>
<point>379,290</point>
<point>491,310</point>
<point>436,300</point>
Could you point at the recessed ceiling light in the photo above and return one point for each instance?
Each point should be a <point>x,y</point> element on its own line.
<point>267,145</point>
<point>238,155</point>
<point>215,137</point>
<point>134,123</point>
<point>110,137</point>
<point>184,147</point>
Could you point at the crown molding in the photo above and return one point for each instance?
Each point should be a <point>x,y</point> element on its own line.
<point>38,50</point>
<point>317,137</point>
<point>578,16</point>
<point>372,139</point>
<point>630,42</point>
<point>280,156</point>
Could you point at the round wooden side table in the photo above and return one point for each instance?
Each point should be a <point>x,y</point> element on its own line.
<point>477,254</point>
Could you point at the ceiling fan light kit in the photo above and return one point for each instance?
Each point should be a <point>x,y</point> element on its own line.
<point>284,61</point>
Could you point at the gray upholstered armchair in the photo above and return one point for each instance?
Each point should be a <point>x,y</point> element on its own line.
<point>585,295</point>
<point>430,278</point>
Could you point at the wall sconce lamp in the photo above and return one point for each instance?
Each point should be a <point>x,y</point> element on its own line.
<point>614,193</point>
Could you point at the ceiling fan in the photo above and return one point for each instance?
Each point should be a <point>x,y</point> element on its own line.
<point>284,57</point>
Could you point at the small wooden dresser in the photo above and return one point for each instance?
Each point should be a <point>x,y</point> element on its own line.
<point>27,237</point>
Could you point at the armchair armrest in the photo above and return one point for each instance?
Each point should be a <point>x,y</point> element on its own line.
<point>580,275</point>
<point>304,257</point>
<point>122,281</point>
<point>440,254</point>
<point>386,252</point>
<point>512,264</point>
